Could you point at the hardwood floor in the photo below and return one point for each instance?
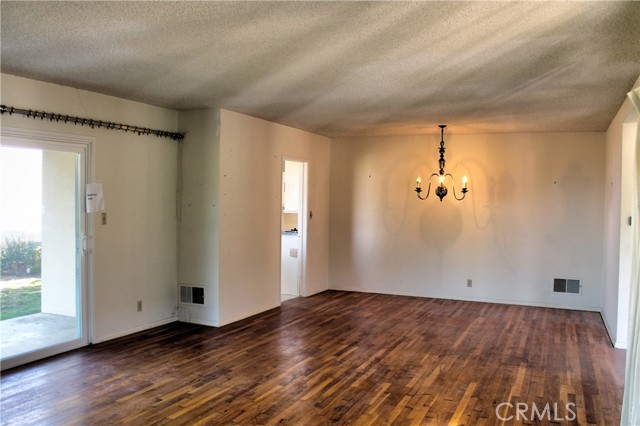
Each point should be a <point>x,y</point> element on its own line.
<point>336,358</point>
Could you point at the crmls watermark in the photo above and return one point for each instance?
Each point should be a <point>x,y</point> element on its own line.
<point>524,411</point>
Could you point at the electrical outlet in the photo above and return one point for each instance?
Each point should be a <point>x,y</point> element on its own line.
<point>139,307</point>
<point>469,282</point>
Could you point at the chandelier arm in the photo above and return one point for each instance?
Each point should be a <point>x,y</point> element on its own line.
<point>453,186</point>
<point>428,188</point>
<point>427,196</point>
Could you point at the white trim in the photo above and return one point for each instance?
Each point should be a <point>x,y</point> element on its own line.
<point>475,299</point>
<point>199,322</point>
<point>44,136</point>
<point>134,330</point>
<point>82,145</point>
<point>303,220</point>
<point>248,314</point>
<point>41,353</point>
<point>317,292</point>
<point>615,342</point>
<point>610,334</point>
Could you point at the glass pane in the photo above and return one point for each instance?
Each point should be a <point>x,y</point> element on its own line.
<point>39,228</point>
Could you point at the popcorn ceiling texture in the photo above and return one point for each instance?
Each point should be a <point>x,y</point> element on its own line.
<point>343,68</point>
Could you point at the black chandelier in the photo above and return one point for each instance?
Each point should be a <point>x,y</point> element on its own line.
<point>441,190</point>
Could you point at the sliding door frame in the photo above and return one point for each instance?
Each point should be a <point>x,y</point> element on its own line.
<point>82,145</point>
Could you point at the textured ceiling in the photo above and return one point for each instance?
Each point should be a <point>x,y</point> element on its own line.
<point>343,68</point>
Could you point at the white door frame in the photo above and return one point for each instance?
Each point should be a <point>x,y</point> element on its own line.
<point>302,223</point>
<point>82,145</point>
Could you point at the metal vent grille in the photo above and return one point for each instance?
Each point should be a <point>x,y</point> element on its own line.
<point>567,285</point>
<point>189,294</point>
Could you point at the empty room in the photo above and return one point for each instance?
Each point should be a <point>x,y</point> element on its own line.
<point>319,213</point>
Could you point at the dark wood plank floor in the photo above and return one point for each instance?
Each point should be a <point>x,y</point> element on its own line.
<point>336,358</point>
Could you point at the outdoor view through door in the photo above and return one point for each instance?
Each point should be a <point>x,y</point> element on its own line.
<point>41,254</point>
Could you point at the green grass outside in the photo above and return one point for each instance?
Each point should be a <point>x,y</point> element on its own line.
<point>17,302</point>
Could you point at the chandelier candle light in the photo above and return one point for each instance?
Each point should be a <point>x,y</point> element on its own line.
<point>441,190</point>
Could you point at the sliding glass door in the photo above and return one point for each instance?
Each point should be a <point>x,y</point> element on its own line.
<point>42,235</point>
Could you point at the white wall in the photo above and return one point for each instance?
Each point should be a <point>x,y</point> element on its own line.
<point>134,255</point>
<point>534,212</point>
<point>199,212</point>
<point>612,215</point>
<point>627,212</point>
<point>617,258</point>
<point>251,153</point>
<point>230,222</point>
<point>59,237</point>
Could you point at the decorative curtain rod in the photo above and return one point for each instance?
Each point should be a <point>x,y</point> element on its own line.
<point>90,122</point>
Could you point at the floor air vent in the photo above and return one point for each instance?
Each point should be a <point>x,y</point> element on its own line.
<point>193,295</point>
<point>566,285</point>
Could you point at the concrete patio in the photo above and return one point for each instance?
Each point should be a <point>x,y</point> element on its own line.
<point>31,332</point>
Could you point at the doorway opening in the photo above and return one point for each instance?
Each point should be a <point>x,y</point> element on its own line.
<point>42,273</point>
<point>293,229</point>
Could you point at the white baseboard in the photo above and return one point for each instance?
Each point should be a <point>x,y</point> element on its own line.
<point>199,322</point>
<point>477,299</point>
<point>314,292</point>
<point>248,314</point>
<point>228,321</point>
<point>612,336</point>
<point>133,330</point>
<point>620,344</point>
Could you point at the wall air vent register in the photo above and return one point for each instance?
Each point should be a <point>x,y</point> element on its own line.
<point>193,295</point>
<point>567,285</point>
